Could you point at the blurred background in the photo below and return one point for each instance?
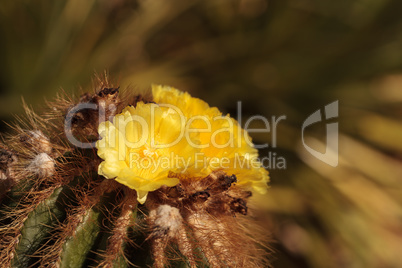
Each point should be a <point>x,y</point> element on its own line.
<point>279,57</point>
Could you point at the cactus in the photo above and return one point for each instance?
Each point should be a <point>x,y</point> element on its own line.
<point>59,210</point>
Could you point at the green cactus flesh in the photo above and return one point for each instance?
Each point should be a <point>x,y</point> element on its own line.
<point>57,215</point>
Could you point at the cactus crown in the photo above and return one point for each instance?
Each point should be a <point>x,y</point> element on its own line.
<point>70,197</point>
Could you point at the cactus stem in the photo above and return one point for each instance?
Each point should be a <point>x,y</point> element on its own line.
<point>11,233</point>
<point>115,244</point>
<point>61,212</point>
<point>167,223</point>
<point>53,254</point>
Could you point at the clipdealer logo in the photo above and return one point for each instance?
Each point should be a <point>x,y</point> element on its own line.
<point>330,156</point>
<point>272,160</point>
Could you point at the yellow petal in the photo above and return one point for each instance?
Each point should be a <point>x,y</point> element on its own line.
<point>142,196</point>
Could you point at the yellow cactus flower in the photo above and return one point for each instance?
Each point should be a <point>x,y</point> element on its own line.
<point>178,135</point>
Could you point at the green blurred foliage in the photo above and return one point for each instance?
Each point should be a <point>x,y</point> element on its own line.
<point>279,57</point>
